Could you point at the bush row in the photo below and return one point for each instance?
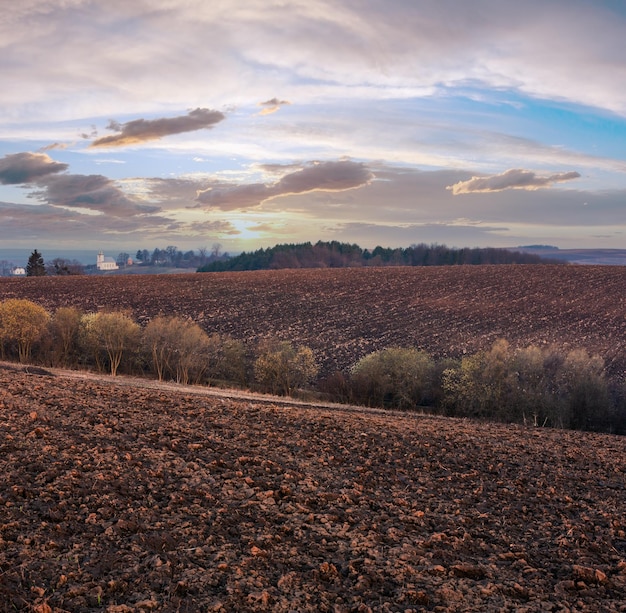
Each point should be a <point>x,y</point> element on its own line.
<point>169,347</point>
<point>535,386</point>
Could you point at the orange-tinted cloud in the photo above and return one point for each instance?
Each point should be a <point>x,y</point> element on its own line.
<point>19,168</point>
<point>271,106</point>
<point>142,130</point>
<point>511,179</point>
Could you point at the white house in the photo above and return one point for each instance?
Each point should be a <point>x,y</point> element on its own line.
<point>103,263</point>
<point>18,271</point>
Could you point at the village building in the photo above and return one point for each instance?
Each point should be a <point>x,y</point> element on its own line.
<point>103,263</point>
<point>18,271</point>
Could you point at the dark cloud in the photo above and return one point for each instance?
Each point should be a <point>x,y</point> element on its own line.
<point>279,169</point>
<point>40,222</point>
<point>318,176</point>
<point>271,106</point>
<point>20,168</point>
<point>212,228</point>
<point>325,176</point>
<point>141,130</point>
<point>511,179</point>
<point>93,192</point>
<point>89,135</point>
<point>173,193</point>
<point>232,198</point>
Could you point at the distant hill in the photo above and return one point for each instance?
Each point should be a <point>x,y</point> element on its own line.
<point>607,257</point>
<point>343,255</point>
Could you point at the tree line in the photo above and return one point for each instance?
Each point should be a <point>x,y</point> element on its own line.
<point>173,257</point>
<point>37,267</point>
<point>169,257</point>
<point>539,386</point>
<point>335,254</point>
<point>329,254</point>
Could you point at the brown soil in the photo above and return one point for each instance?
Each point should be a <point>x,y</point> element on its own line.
<point>343,314</point>
<point>127,496</point>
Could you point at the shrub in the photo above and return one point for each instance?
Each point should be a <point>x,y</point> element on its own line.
<point>394,377</point>
<point>176,347</point>
<point>282,367</point>
<point>108,337</point>
<point>64,327</point>
<point>226,360</point>
<point>337,387</point>
<point>158,340</point>
<point>189,355</point>
<point>582,382</point>
<point>90,350</point>
<point>22,324</point>
<point>563,391</point>
<point>480,386</point>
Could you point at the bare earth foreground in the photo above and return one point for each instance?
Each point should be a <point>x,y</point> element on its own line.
<point>123,495</point>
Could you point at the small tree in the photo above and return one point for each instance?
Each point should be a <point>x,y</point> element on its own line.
<point>122,259</point>
<point>88,342</point>
<point>108,336</point>
<point>226,359</point>
<point>177,347</point>
<point>190,353</point>
<point>394,377</point>
<point>282,368</point>
<point>23,323</point>
<point>157,339</point>
<point>35,266</point>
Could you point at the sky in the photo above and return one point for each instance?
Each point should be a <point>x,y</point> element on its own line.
<point>135,125</point>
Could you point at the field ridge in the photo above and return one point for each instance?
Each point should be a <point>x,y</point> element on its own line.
<point>343,314</point>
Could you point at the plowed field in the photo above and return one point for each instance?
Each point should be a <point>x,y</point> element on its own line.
<point>128,496</point>
<point>344,314</point>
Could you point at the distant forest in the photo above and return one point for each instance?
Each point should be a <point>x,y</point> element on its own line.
<point>342,255</point>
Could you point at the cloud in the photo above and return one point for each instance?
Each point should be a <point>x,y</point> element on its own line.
<point>52,146</point>
<point>271,106</point>
<point>61,226</point>
<point>93,192</point>
<point>142,130</point>
<point>317,176</point>
<point>514,178</point>
<point>213,228</point>
<point>21,168</point>
<point>233,198</point>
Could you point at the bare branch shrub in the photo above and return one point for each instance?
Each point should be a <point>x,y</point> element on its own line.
<point>107,337</point>
<point>226,360</point>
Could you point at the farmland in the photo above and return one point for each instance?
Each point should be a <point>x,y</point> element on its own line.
<point>126,495</point>
<point>344,314</point>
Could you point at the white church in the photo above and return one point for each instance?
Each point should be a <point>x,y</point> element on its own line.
<point>103,263</point>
